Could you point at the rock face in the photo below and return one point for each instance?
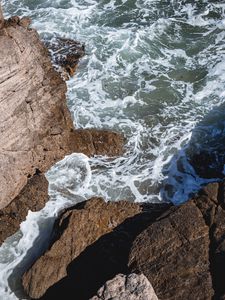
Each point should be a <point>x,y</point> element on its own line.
<point>76,229</point>
<point>174,253</point>
<point>16,212</point>
<point>1,18</point>
<point>35,124</point>
<point>34,195</point>
<point>66,54</point>
<point>123,287</point>
<point>180,250</point>
<point>182,253</point>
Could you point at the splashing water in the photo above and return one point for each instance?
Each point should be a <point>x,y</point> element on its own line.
<point>153,71</point>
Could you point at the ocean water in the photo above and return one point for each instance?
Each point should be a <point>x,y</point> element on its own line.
<point>153,70</point>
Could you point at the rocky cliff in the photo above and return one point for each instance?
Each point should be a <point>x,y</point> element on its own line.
<point>35,125</point>
<point>179,249</point>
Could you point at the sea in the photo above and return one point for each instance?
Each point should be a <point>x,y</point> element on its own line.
<point>154,71</point>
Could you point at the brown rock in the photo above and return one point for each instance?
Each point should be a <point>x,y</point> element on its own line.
<point>66,53</point>
<point>124,287</point>
<point>25,22</point>
<point>35,125</point>
<point>16,212</point>
<point>183,253</point>
<point>211,202</point>
<point>76,229</point>
<point>173,253</point>
<point>32,107</point>
<point>97,142</point>
<point>1,18</point>
<point>35,193</point>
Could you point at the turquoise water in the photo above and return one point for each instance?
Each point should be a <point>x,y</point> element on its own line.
<point>155,71</point>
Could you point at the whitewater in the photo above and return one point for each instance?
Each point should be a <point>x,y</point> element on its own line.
<point>153,70</point>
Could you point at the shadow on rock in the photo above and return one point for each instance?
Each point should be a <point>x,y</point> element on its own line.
<point>104,259</point>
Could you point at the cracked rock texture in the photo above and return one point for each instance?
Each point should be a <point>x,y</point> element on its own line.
<point>35,125</point>
<point>16,211</point>
<point>179,249</point>
<point>123,287</point>
<point>75,230</point>
<point>182,253</point>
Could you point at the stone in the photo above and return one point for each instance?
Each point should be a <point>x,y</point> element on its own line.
<point>182,254</point>
<point>97,142</point>
<point>32,105</point>
<point>173,253</point>
<point>1,18</point>
<point>76,230</point>
<point>35,125</point>
<point>34,194</point>
<point>123,287</point>
<point>16,212</point>
<point>66,54</point>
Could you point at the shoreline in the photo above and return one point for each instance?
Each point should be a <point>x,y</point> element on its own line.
<point>178,249</point>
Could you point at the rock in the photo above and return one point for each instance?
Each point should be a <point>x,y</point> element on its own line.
<point>76,229</point>
<point>32,106</point>
<point>123,287</point>
<point>25,22</point>
<point>34,195</point>
<point>35,125</point>
<point>66,53</point>
<point>16,212</point>
<point>1,18</point>
<point>182,254</point>
<point>211,202</point>
<point>97,142</point>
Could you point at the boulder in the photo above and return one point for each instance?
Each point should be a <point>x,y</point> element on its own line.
<point>182,254</point>
<point>66,54</point>
<point>32,197</point>
<point>76,229</point>
<point>35,124</point>
<point>34,194</point>
<point>123,287</point>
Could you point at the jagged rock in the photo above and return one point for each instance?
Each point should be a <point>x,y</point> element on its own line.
<point>97,142</point>
<point>66,53</point>
<point>182,253</point>
<point>76,229</point>
<point>34,195</point>
<point>123,287</point>
<point>1,18</point>
<point>35,125</point>
<point>16,212</point>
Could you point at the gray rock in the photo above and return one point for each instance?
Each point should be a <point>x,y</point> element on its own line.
<point>123,287</point>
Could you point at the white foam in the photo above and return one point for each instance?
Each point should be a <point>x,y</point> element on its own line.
<point>153,70</point>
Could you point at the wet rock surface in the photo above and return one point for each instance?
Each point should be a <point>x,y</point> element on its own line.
<point>97,142</point>
<point>66,54</point>
<point>132,287</point>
